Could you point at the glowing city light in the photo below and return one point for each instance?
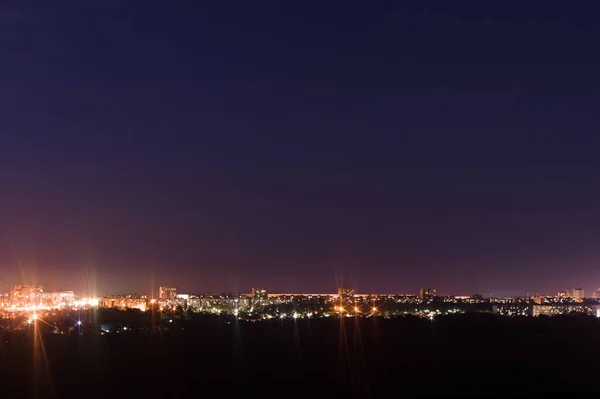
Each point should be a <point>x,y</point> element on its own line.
<point>27,301</point>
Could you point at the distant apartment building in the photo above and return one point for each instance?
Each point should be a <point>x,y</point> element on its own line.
<point>219,303</point>
<point>59,298</point>
<point>553,310</point>
<point>167,292</point>
<point>178,301</point>
<point>596,294</point>
<point>5,299</point>
<point>345,297</point>
<point>128,301</point>
<point>260,293</point>
<point>577,293</point>
<point>27,295</point>
<point>512,309</point>
<point>427,293</point>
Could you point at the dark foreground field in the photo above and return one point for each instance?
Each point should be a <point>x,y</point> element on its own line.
<point>458,356</point>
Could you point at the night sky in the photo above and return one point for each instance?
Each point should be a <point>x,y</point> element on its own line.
<point>298,146</point>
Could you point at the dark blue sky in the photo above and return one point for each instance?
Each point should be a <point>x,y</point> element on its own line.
<point>222,146</point>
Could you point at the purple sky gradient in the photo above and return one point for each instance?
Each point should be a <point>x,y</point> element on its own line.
<point>297,145</point>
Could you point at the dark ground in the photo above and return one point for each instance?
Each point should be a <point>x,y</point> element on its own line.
<point>455,356</point>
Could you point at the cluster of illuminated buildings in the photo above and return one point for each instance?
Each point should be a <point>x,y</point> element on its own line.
<point>564,302</point>
<point>260,304</point>
<point>33,297</point>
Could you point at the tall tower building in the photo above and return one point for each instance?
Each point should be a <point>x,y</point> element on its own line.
<point>427,293</point>
<point>577,293</point>
<point>260,293</point>
<point>167,292</point>
<point>259,296</point>
<point>345,297</point>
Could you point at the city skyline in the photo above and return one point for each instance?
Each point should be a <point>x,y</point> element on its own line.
<point>317,199</point>
<point>396,145</point>
<point>157,291</point>
<point>32,304</point>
